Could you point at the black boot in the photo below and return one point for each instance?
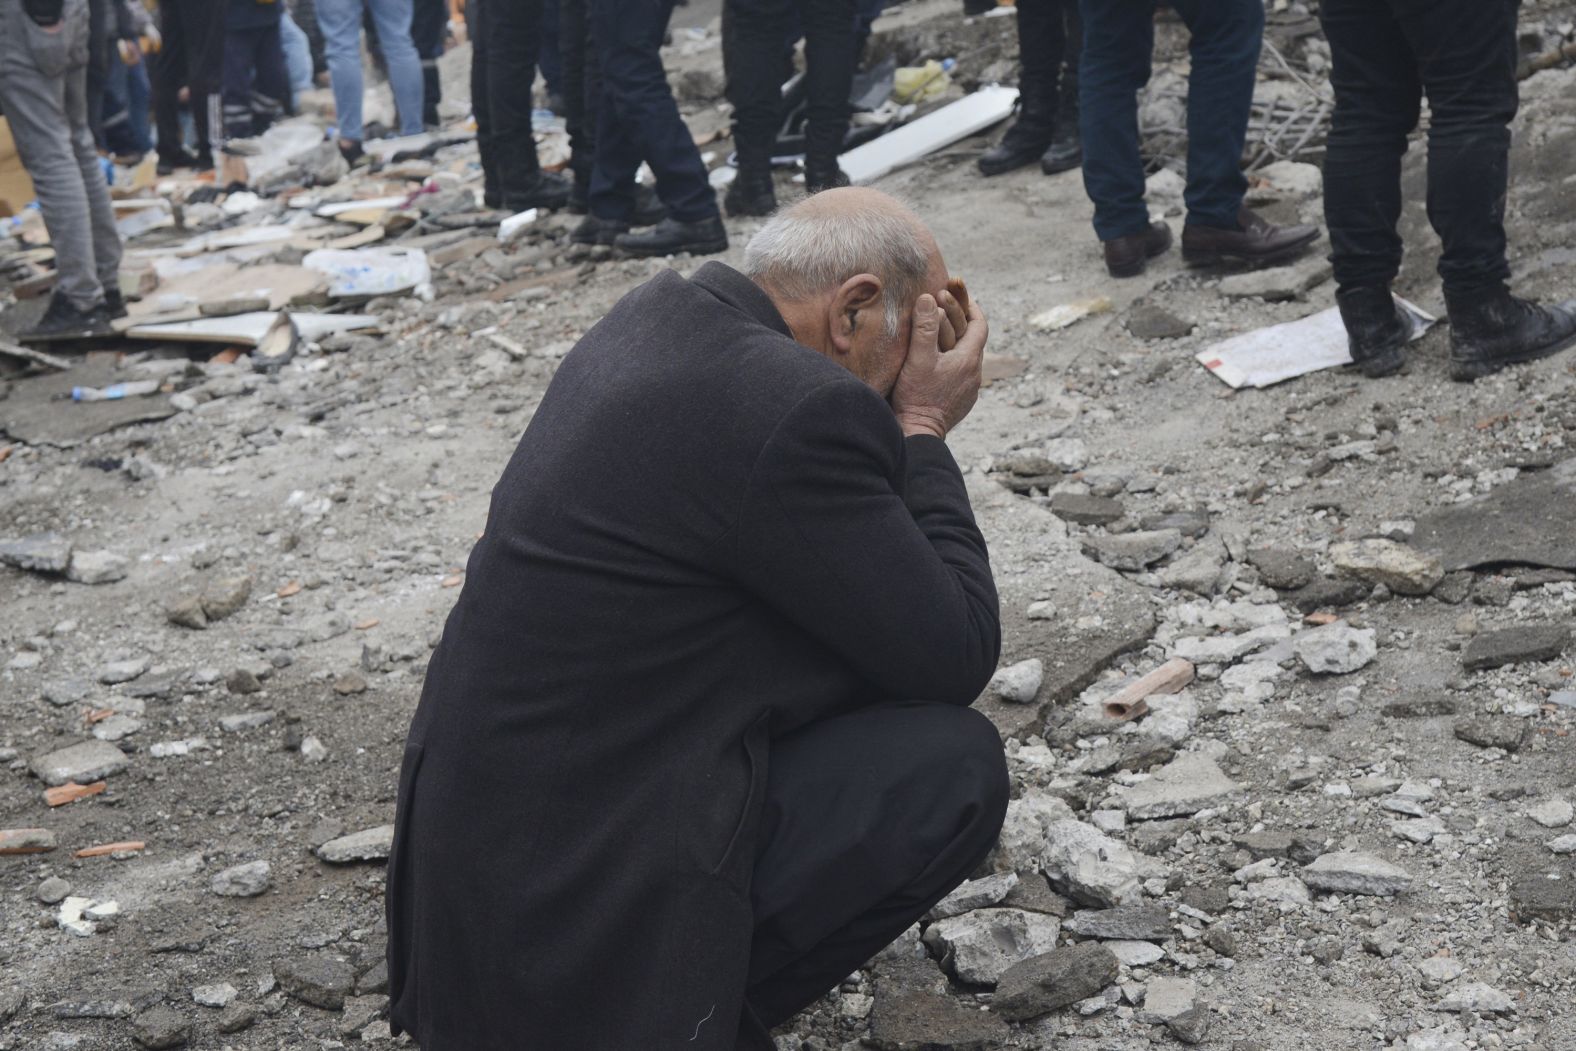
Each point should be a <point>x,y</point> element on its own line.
<point>543,190</point>
<point>1028,138</point>
<point>751,192</point>
<point>114,302</point>
<point>823,173</point>
<point>580,197</point>
<point>1491,330</point>
<point>1066,150</point>
<point>1377,328</point>
<point>63,320</point>
<point>671,236</point>
<point>649,209</point>
<point>594,231</point>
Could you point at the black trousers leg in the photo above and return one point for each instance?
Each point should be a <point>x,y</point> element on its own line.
<point>205,37</point>
<point>1072,50</point>
<point>168,76</point>
<point>752,58</point>
<point>870,819</point>
<point>478,27</point>
<point>829,75</point>
<point>429,19</point>
<point>581,87</point>
<point>1042,40</point>
<point>513,35</point>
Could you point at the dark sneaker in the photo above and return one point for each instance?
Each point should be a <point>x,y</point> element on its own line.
<point>204,161</point>
<point>671,236</point>
<point>548,190</point>
<point>1489,332</point>
<point>62,320</point>
<point>1253,244</point>
<point>170,163</point>
<point>114,302</point>
<point>351,151</point>
<point>823,175</point>
<point>1377,328</point>
<point>1128,256</point>
<point>594,231</point>
<point>1025,142</point>
<point>751,193</point>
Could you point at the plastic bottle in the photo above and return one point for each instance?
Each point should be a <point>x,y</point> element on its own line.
<point>134,389</point>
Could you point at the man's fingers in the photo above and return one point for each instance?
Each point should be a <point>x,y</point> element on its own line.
<point>954,317</point>
<point>972,339</point>
<point>926,329</point>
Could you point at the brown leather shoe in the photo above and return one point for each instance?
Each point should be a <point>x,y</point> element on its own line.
<point>1257,243</point>
<point>1127,256</point>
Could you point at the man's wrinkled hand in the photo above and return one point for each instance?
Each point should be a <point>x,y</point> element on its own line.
<point>936,390</point>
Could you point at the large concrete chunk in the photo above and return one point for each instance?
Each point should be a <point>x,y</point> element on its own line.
<point>1348,872</point>
<point>1184,786</point>
<point>1404,570</point>
<point>975,894</point>
<point>42,553</point>
<point>1126,923</point>
<point>980,946</point>
<point>82,763</point>
<point>1532,642</point>
<point>370,844</point>
<point>1089,866</point>
<point>1336,649</point>
<point>1054,980</point>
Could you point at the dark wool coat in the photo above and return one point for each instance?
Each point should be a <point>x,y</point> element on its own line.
<point>708,535</point>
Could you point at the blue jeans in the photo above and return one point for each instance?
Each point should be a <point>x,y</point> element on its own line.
<point>127,95</point>
<point>1119,39</point>
<point>638,119</point>
<point>340,21</point>
<point>298,56</point>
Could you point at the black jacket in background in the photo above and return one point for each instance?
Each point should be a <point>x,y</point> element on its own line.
<point>708,535</point>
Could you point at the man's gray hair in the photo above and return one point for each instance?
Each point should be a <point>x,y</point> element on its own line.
<point>800,253</point>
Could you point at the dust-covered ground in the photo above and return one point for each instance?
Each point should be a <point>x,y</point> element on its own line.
<point>1354,839</point>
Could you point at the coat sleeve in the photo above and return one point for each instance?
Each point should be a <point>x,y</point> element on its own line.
<point>865,539</point>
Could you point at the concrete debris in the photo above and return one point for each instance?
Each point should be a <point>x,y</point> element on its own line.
<point>1402,569</point>
<point>1348,872</point>
<point>83,763</point>
<point>371,844</point>
<point>1477,998</point>
<point>1336,649</point>
<point>1532,642</point>
<point>247,880</point>
<point>975,894</point>
<point>1018,683</point>
<point>980,946</point>
<point>1168,998</point>
<point>1054,980</point>
<point>1126,923</point>
<point>1494,731</point>
<point>1184,786</point>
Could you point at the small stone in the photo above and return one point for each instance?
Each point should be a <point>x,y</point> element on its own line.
<point>1276,284</point>
<point>1067,454</point>
<point>1133,551</point>
<point>1084,509</point>
<point>1477,998</point>
<point>241,881</point>
<point>1124,923</point>
<point>218,995</point>
<point>1553,813</point>
<point>1565,844</point>
<point>1168,998</point>
<point>1536,896</point>
<point>1191,1026</point>
<point>53,891</point>
<point>1402,569</point>
<point>1330,594</point>
<point>1198,569</point>
<point>186,612</point>
<point>1420,706</point>
<point>83,763</point>
<point>349,683</point>
<point>372,844</point>
<point>1017,683</point>
<point>975,894</point>
<point>360,1012</point>
<point>161,1027</point>
<point>226,596</point>
<point>245,720</point>
<point>1533,642</point>
<point>1222,941</point>
<point>312,750</point>
<point>62,693</point>
<point>236,1017</point>
<point>1053,980</point>
<point>1046,610</point>
<point>42,553</point>
<point>1186,785</point>
<point>1336,649</point>
<point>980,946</point>
<point>1136,954</point>
<point>1440,970</point>
<point>1146,321</point>
<point>98,567</point>
<point>1190,522</point>
<point>1280,568</point>
<point>322,981</point>
<point>122,671</point>
<point>1494,731</point>
<point>1348,872</point>
<point>243,681</point>
<point>116,727</point>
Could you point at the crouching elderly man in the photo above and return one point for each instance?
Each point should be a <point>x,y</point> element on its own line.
<point>697,741</point>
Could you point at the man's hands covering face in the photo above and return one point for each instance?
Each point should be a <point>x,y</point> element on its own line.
<point>936,388</point>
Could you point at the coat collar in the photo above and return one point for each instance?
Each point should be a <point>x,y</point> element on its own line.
<point>739,292</point>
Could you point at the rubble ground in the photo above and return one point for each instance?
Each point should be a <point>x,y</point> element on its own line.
<point>1347,826</point>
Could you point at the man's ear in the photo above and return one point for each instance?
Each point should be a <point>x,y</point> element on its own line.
<point>853,298</point>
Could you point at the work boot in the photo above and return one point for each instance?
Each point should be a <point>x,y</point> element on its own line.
<point>1490,331</point>
<point>114,302</point>
<point>1127,256</point>
<point>823,174</point>
<point>1066,149</point>
<point>649,209</point>
<point>170,162</point>
<point>545,190</point>
<point>1255,243</point>
<point>594,231</point>
<point>64,320</point>
<point>672,236</point>
<point>1025,142</point>
<point>751,193</point>
<point>1377,328</point>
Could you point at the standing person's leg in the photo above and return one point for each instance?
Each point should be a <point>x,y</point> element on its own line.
<point>1466,56</point>
<point>478,27</point>
<point>100,211</point>
<point>752,39</point>
<point>1119,40</point>
<point>271,85</point>
<point>1377,100</point>
<point>205,21</point>
<point>1039,54</point>
<point>340,21</point>
<point>429,20</point>
<point>574,46</point>
<point>859,839</point>
<point>640,120</point>
<point>549,58</point>
<point>515,28</point>
<point>169,76</point>
<point>101,22</point>
<point>1226,38</point>
<point>298,57</point>
<point>393,18</point>
<point>829,75</point>
<point>1066,149</point>
<point>117,114</point>
<point>240,55</point>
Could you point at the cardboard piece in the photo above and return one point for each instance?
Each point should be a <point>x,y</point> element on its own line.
<point>16,186</point>
<point>934,131</point>
<point>1271,355</point>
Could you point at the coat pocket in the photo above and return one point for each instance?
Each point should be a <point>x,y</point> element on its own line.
<point>739,857</point>
<point>62,46</point>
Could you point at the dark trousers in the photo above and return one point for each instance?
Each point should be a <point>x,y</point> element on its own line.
<point>637,119</point>
<point>757,59</point>
<point>582,86</point>
<point>256,80</point>
<point>1386,55</point>
<point>1050,40</point>
<point>1119,37</point>
<point>870,819</point>
<point>429,23</point>
<point>192,57</point>
<point>504,36</point>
